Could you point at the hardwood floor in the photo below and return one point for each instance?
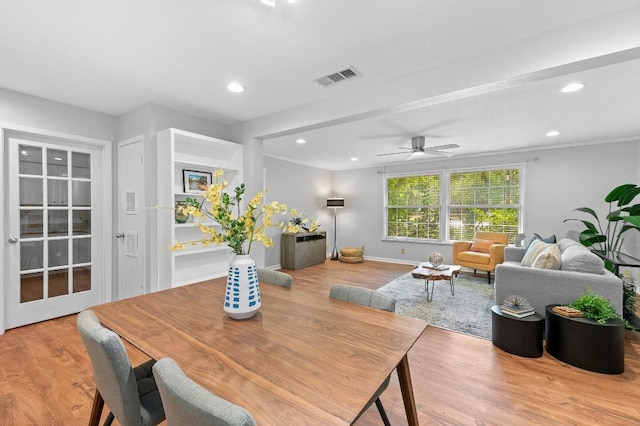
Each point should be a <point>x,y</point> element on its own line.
<point>45,375</point>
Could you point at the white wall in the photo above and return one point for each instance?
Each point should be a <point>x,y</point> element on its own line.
<point>559,181</point>
<point>25,110</point>
<point>303,188</point>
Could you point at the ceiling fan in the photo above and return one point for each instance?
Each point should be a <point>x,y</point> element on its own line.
<point>418,149</point>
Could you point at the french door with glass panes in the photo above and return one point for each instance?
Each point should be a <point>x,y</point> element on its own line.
<point>54,215</point>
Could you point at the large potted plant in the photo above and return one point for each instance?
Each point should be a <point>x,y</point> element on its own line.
<point>622,217</point>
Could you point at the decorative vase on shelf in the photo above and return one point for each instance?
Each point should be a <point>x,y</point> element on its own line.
<point>242,296</point>
<point>181,214</point>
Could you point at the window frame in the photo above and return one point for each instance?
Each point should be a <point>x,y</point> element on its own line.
<point>445,200</point>
<point>386,207</point>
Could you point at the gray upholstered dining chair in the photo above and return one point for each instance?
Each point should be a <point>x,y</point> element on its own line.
<point>188,403</point>
<point>275,277</point>
<point>367,297</point>
<point>130,393</point>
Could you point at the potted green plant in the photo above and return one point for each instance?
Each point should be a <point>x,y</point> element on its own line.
<point>622,217</point>
<point>597,308</point>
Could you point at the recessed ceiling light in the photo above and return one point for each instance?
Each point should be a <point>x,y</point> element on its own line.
<point>235,87</point>
<point>572,87</point>
<point>270,3</point>
<point>300,141</point>
<point>354,158</point>
<point>552,133</point>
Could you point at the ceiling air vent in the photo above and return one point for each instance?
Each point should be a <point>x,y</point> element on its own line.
<point>337,77</point>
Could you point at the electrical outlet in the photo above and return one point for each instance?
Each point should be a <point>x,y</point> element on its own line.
<point>401,251</point>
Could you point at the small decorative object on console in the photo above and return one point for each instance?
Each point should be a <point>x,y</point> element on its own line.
<point>567,311</point>
<point>435,259</point>
<point>517,306</point>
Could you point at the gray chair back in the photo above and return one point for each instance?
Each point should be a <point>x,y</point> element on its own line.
<point>131,396</point>
<point>187,403</point>
<point>362,296</point>
<point>275,277</point>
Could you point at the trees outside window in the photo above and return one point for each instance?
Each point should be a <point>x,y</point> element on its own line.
<point>477,200</point>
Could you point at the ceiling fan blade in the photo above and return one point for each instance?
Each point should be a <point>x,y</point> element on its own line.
<point>440,153</point>
<point>391,153</point>
<point>441,147</point>
<point>394,153</point>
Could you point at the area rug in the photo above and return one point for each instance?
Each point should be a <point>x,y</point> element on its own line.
<point>468,311</point>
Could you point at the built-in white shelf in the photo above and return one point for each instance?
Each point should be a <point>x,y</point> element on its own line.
<point>180,150</point>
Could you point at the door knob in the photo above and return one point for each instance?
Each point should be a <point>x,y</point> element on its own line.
<point>12,240</point>
<point>120,235</point>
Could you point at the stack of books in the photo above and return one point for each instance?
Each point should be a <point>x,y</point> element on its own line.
<point>518,311</point>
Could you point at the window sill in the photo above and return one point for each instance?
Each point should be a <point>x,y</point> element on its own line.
<point>415,240</point>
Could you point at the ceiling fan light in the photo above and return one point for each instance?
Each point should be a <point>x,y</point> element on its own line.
<point>572,87</point>
<point>235,87</point>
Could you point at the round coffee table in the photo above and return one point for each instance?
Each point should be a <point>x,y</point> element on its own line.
<point>427,273</point>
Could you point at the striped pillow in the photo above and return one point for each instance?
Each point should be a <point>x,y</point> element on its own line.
<point>536,247</point>
<point>550,258</point>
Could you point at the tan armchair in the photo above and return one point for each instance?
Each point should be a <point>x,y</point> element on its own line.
<point>484,252</point>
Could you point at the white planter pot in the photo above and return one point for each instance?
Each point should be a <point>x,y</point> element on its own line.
<point>242,297</point>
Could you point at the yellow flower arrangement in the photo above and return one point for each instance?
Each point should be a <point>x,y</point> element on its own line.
<point>235,228</point>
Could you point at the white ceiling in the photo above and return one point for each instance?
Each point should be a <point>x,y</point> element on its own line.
<point>115,56</point>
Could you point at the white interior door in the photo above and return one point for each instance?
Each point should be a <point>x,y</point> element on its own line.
<point>55,212</point>
<point>131,219</point>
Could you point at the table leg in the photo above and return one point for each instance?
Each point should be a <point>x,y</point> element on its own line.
<point>404,377</point>
<point>426,288</point>
<point>453,288</point>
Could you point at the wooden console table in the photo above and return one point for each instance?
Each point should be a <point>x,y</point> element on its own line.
<point>302,249</point>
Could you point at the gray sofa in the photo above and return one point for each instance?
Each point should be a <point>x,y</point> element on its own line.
<point>580,269</point>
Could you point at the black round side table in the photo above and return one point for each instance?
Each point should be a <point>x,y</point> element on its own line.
<point>585,343</point>
<point>518,336</point>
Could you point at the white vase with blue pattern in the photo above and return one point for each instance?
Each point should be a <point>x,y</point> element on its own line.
<point>242,297</point>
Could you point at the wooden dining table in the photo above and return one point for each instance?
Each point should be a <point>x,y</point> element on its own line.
<point>302,359</point>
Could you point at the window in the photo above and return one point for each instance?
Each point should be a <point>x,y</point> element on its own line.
<point>413,206</point>
<point>486,200</point>
<point>478,200</point>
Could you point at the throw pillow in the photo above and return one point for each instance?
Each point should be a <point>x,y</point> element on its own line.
<point>578,258</point>
<point>550,239</point>
<point>549,258</point>
<point>537,247</point>
<point>482,246</point>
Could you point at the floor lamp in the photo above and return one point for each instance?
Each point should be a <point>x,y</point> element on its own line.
<point>335,204</point>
